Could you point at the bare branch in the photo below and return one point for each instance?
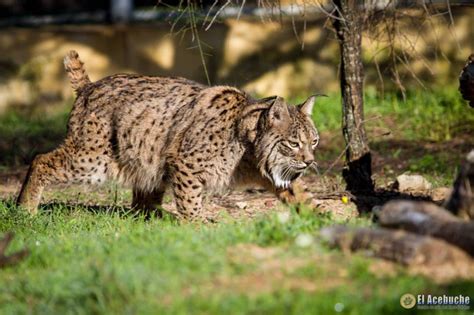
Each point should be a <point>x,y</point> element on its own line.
<point>209,12</point>
<point>240,10</point>
<point>339,157</point>
<point>217,13</point>
<point>294,28</point>
<point>330,14</point>
<point>195,33</point>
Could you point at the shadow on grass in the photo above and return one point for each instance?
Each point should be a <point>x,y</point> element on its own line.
<point>121,211</point>
<point>96,209</point>
<point>112,210</point>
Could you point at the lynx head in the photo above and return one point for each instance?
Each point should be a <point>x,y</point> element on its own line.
<point>286,141</point>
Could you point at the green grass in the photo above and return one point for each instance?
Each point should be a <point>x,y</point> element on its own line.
<point>109,263</point>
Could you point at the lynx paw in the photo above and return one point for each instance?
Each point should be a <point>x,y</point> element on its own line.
<point>295,195</point>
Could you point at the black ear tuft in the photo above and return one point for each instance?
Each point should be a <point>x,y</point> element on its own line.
<point>259,104</point>
<point>269,99</point>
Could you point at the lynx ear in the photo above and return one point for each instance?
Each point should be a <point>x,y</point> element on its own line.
<point>307,106</point>
<point>261,104</point>
<point>268,100</point>
<point>278,113</point>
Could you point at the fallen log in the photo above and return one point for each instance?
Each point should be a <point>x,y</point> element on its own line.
<point>14,258</point>
<point>428,219</point>
<point>425,254</point>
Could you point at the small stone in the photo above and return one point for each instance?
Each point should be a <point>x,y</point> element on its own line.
<point>304,240</point>
<point>241,204</point>
<point>283,217</point>
<point>440,194</point>
<point>412,183</point>
<point>269,203</point>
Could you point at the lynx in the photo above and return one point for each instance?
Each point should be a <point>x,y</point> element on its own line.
<point>154,132</point>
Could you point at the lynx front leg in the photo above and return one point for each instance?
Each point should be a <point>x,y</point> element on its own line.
<point>286,195</point>
<point>188,196</point>
<point>295,194</point>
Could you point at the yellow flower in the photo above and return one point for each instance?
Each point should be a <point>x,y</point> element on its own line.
<point>345,200</point>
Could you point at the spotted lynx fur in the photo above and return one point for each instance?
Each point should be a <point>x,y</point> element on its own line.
<point>155,132</point>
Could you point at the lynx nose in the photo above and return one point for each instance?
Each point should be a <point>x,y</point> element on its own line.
<point>309,162</point>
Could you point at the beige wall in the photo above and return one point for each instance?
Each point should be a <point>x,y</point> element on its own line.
<point>263,58</point>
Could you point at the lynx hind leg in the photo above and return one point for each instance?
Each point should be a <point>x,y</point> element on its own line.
<point>86,162</point>
<point>63,165</point>
<point>46,169</point>
<point>147,203</point>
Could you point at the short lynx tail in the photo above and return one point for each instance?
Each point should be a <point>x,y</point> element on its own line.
<point>75,70</point>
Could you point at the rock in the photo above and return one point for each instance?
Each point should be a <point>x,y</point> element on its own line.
<point>304,240</point>
<point>269,203</point>
<point>440,194</point>
<point>412,183</point>
<point>241,204</point>
<point>283,217</point>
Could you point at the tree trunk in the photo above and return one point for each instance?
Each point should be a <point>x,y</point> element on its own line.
<point>358,169</point>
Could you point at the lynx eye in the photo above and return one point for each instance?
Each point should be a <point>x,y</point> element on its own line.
<point>293,145</point>
<point>315,142</point>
